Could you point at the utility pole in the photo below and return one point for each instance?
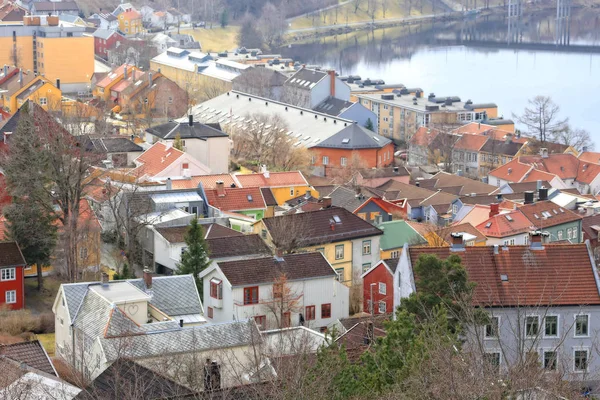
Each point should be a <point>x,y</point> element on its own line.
<point>372,303</point>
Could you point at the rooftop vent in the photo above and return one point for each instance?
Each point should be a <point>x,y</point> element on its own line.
<point>504,278</point>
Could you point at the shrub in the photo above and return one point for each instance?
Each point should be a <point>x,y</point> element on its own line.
<point>16,323</point>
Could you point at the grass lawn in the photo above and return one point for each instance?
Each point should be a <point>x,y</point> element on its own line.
<point>216,39</point>
<point>39,302</point>
<point>47,340</point>
<point>345,13</point>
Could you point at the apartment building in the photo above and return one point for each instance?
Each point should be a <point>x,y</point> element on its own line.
<point>402,112</point>
<point>47,48</point>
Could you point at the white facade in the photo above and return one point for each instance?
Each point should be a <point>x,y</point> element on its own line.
<point>310,292</point>
<point>520,239</point>
<point>212,152</point>
<point>361,259</point>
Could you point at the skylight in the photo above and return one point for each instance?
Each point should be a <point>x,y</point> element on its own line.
<point>249,197</point>
<point>536,216</point>
<point>488,224</point>
<point>337,219</point>
<point>376,138</point>
<point>509,218</point>
<point>345,141</point>
<point>546,214</point>
<point>555,212</point>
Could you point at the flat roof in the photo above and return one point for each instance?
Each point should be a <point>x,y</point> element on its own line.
<point>406,101</point>
<point>120,292</point>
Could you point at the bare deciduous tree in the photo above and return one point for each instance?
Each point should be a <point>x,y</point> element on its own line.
<point>541,118</point>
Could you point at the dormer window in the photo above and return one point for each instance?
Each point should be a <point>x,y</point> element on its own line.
<point>216,289</point>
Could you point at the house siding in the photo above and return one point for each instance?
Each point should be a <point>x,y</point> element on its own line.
<point>379,274</point>
<point>18,286</point>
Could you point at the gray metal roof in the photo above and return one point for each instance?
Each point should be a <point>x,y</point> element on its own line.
<point>333,106</point>
<point>355,137</point>
<point>183,340</point>
<point>346,198</point>
<point>104,33</point>
<point>305,78</point>
<point>173,295</point>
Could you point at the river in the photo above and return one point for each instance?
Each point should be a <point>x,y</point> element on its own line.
<point>474,59</point>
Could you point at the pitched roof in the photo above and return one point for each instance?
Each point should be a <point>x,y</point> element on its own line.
<point>157,158</point>
<point>274,180</point>
<point>354,136</point>
<point>394,190</point>
<point>512,171</point>
<point>534,277</point>
<point>268,196</point>
<point>396,233</point>
<point>236,199</point>
<point>207,181</point>
<point>104,33</point>
<point>463,228</point>
<point>235,246</point>
<point>333,106</point>
<point>10,255</point>
<point>31,353</point>
<point>424,136</point>
<point>305,78</point>
<point>503,225</point>
<point>346,198</point>
<point>443,180</point>
<point>268,269</point>
<point>174,295</point>
<point>318,227</point>
<point>501,147</point>
<point>470,142</point>
<point>476,215</point>
<point>171,129</point>
<point>126,376</point>
<point>590,157</point>
<point>212,231</point>
<point>546,213</point>
<point>473,128</point>
<point>590,225</point>
<point>115,144</point>
<point>521,187</point>
<point>388,172</point>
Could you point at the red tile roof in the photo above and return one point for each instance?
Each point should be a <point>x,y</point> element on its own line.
<point>383,204</point>
<point>116,73</point>
<point>500,225</point>
<point>562,165</point>
<point>557,274</point>
<point>512,171</point>
<point>554,214</point>
<point>535,175</point>
<point>473,128</point>
<point>131,14</point>
<point>236,199</point>
<point>590,156</point>
<point>424,136</point>
<point>208,181</point>
<point>275,179</point>
<point>587,172</point>
<point>157,158</point>
<point>470,142</point>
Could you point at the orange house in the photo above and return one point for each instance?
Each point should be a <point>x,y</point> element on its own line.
<point>130,22</point>
<point>352,147</point>
<point>102,90</point>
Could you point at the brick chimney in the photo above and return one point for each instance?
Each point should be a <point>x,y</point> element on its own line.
<point>147,278</point>
<point>494,209</point>
<point>331,82</point>
<point>104,279</point>
<point>326,202</point>
<point>457,239</point>
<point>220,186</point>
<point>536,238</point>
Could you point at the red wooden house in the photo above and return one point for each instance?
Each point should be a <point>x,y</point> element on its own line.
<point>378,282</point>
<point>12,266</point>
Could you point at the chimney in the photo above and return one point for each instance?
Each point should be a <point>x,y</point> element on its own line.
<point>20,76</point>
<point>57,83</point>
<point>190,120</point>
<point>459,172</point>
<point>544,152</point>
<point>331,82</point>
<point>494,209</point>
<point>499,197</point>
<point>508,137</point>
<point>536,240</point>
<point>543,194</point>
<point>149,78</point>
<point>326,202</point>
<point>5,69</point>
<point>457,241</point>
<point>181,323</point>
<point>538,184</point>
<point>147,278</point>
<point>220,186</point>
<point>396,170</point>
<point>125,72</point>
<point>104,279</point>
<point>266,173</point>
<point>418,184</point>
<point>528,197</point>
<point>169,184</point>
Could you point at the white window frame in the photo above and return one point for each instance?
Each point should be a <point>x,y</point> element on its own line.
<point>559,234</point>
<point>325,160</point>
<point>383,286</point>
<point>343,161</point>
<point>366,244</point>
<point>485,337</point>
<point>557,327</point>
<point>8,274</point>
<point>587,350</point>
<point>10,295</point>
<point>538,324</point>
<point>380,309</point>
<point>575,326</point>
<point>395,254</point>
<point>292,191</point>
